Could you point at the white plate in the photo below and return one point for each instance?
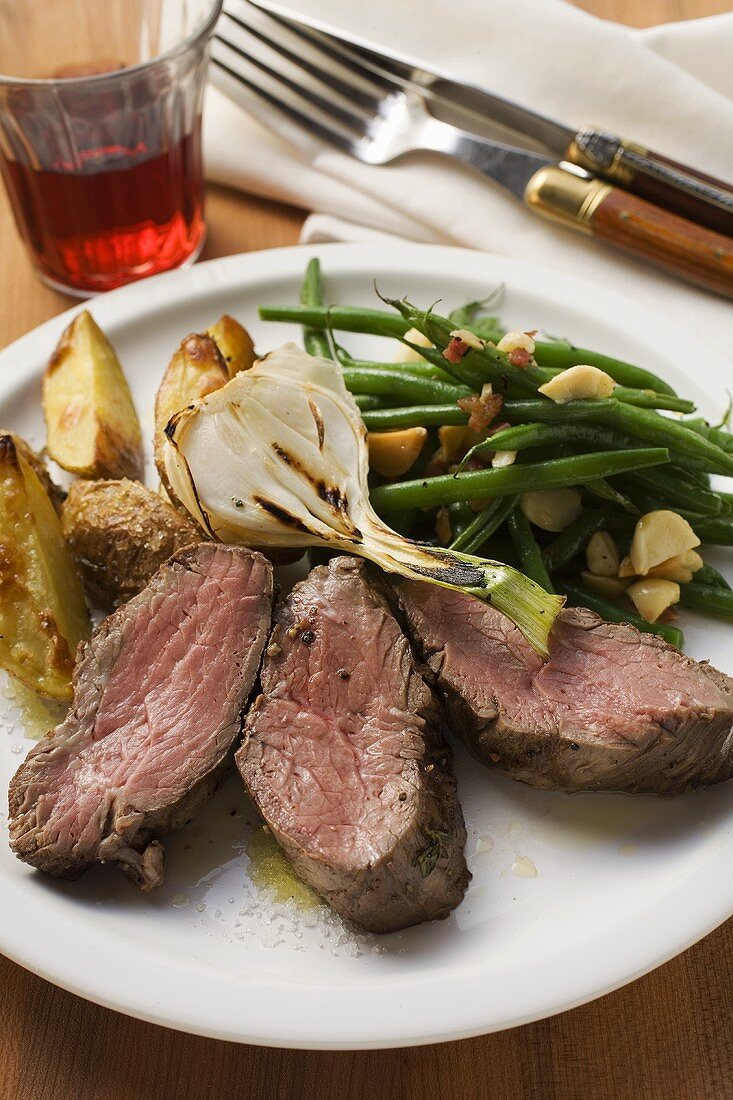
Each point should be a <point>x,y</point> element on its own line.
<point>623,884</point>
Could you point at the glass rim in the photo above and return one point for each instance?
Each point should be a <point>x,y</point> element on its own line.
<point>201,30</point>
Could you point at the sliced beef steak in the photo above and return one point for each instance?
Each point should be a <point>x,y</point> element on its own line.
<point>158,698</point>
<point>344,758</point>
<point>612,709</point>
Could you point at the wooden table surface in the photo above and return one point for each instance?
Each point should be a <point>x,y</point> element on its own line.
<point>668,1035</point>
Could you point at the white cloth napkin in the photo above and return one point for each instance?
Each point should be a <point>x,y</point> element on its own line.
<point>670,88</point>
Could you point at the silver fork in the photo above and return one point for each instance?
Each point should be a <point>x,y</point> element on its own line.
<point>365,114</point>
<point>376,118</point>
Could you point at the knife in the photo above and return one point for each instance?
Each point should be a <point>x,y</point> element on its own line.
<point>650,175</point>
<point>271,65</point>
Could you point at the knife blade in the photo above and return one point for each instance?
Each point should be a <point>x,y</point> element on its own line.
<point>632,167</point>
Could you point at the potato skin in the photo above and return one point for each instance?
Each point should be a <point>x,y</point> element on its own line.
<point>55,493</point>
<point>196,369</point>
<point>235,344</point>
<point>120,533</point>
<point>91,425</point>
<point>43,615</point>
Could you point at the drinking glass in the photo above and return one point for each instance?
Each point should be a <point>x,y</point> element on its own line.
<point>100,135</point>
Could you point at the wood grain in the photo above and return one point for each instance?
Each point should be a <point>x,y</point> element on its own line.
<point>671,243</point>
<point>647,13</point>
<point>668,1036</point>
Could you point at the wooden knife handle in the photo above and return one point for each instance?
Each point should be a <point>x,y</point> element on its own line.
<point>677,187</point>
<point>639,227</point>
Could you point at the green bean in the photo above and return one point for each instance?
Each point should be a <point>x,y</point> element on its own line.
<point>574,539</point>
<point>528,552</point>
<point>500,548</point>
<point>414,416</point>
<point>460,515</point>
<point>526,411</point>
<point>676,493</point>
<point>579,596</point>
<point>560,354</point>
<point>367,401</point>
<point>375,322</point>
<point>409,387</point>
<point>693,474</point>
<point>604,490</point>
<point>544,433</point>
<point>640,423</point>
<point>636,385</point>
<point>468,373</point>
<point>714,532</point>
<point>501,481</point>
<point>523,436</point>
<point>644,398</point>
<point>711,577</point>
<point>693,478</point>
<point>707,598</point>
<point>424,369</point>
<point>492,365</point>
<point>652,428</point>
<point>484,525</point>
<point>315,341</point>
<point>643,499</point>
<point>719,436</point>
<point>649,399</point>
<point>342,355</point>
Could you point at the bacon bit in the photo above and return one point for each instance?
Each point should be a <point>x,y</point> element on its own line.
<point>456,350</point>
<point>494,428</point>
<point>520,357</point>
<point>474,463</point>
<point>481,409</point>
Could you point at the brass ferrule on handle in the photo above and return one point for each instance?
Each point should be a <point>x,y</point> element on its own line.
<point>604,154</point>
<point>564,197</point>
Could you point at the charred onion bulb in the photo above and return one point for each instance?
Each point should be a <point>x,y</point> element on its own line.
<point>278,457</point>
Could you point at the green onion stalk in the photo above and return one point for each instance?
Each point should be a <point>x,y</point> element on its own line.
<point>278,457</point>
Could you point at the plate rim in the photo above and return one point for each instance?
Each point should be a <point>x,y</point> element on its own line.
<point>564,987</point>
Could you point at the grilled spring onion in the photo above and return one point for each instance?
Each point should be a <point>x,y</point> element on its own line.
<point>278,457</point>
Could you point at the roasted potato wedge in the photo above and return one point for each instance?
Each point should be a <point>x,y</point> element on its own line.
<point>120,533</point>
<point>197,368</point>
<point>91,424</point>
<point>55,493</point>
<point>43,615</point>
<point>235,344</point>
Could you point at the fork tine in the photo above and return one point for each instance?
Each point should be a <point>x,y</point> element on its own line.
<point>352,122</point>
<point>233,65</point>
<point>366,91</point>
<point>389,73</point>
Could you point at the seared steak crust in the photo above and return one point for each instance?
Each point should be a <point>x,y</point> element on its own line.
<point>612,709</point>
<point>344,758</point>
<point>158,695</point>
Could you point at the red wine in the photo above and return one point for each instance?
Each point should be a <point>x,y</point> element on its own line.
<point>127,214</point>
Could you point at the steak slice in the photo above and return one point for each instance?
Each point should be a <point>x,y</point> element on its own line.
<point>344,758</point>
<point>612,709</point>
<point>158,696</point>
